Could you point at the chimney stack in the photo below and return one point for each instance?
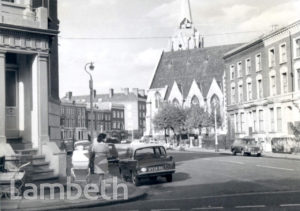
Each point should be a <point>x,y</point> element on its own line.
<point>111,93</point>
<point>126,91</point>
<point>69,95</point>
<point>135,91</point>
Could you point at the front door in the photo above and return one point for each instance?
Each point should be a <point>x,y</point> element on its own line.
<point>12,110</point>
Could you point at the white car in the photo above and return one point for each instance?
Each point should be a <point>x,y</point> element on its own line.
<point>80,157</point>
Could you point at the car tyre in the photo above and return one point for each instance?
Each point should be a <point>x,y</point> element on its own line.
<point>169,178</point>
<point>258,155</point>
<point>234,152</point>
<point>135,180</point>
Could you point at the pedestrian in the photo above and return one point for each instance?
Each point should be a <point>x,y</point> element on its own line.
<point>100,151</point>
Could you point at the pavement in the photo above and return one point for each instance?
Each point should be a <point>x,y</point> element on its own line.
<point>67,199</point>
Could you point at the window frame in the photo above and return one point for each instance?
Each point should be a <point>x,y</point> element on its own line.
<point>281,59</point>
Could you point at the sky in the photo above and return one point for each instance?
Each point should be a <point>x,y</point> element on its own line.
<point>125,38</point>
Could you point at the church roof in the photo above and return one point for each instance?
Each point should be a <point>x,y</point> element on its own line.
<point>201,64</point>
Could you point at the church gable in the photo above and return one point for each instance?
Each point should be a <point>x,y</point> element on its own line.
<point>175,93</point>
<point>195,96</point>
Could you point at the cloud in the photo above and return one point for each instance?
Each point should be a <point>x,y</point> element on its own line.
<point>239,12</point>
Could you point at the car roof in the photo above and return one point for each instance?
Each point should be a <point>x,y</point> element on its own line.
<point>141,146</point>
<point>82,142</point>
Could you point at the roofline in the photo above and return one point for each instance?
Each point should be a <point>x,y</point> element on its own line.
<point>260,40</point>
<point>161,55</point>
<point>49,32</point>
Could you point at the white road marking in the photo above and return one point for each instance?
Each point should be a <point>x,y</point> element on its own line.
<point>208,208</point>
<point>171,209</point>
<point>235,162</point>
<point>250,206</point>
<point>272,167</point>
<point>289,205</point>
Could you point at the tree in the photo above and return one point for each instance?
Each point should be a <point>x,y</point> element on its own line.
<point>197,118</point>
<point>170,116</point>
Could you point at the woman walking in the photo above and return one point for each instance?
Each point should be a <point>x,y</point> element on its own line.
<point>100,151</point>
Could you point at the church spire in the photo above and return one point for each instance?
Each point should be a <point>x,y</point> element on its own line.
<point>186,19</point>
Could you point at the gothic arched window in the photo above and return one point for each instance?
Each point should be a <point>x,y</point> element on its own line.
<point>215,104</point>
<point>157,99</point>
<point>195,101</point>
<point>175,102</point>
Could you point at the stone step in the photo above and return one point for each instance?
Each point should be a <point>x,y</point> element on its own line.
<point>27,151</point>
<point>42,171</point>
<point>40,164</point>
<point>43,177</point>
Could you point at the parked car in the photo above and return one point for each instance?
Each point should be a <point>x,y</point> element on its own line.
<point>112,140</point>
<point>146,161</point>
<point>246,146</point>
<point>113,156</point>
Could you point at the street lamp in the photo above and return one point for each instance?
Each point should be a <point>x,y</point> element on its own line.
<point>91,67</point>
<point>216,135</point>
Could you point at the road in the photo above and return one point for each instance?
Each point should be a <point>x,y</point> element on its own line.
<point>211,181</point>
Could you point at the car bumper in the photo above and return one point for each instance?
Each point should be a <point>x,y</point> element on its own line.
<point>156,173</point>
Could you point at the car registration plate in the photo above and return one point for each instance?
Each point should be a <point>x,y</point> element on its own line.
<point>155,168</point>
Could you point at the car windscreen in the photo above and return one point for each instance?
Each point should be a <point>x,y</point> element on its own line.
<point>144,153</point>
<point>85,145</point>
<point>251,142</point>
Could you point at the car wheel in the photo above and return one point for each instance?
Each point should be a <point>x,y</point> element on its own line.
<point>258,155</point>
<point>243,152</point>
<point>135,180</point>
<point>233,152</point>
<point>169,178</point>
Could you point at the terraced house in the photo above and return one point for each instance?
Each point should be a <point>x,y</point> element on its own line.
<point>263,86</point>
<point>29,92</point>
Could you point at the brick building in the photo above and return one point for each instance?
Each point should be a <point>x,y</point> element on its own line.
<point>263,85</point>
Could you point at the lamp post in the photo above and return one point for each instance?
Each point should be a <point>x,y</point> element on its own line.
<point>150,117</point>
<point>216,135</point>
<point>91,67</point>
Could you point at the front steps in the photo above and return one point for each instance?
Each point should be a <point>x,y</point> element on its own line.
<point>39,169</point>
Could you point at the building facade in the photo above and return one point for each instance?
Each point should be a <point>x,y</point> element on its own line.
<point>29,99</point>
<point>134,103</point>
<point>189,74</point>
<point>263,85</point>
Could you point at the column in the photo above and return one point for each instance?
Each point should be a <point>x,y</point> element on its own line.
<point>2,97</point>
<point>40,101</point>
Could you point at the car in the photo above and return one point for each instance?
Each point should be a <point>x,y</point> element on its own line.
<point>113,156</point>
<point>246,146</point>
<point>146,161</point>
<point>112,140</point>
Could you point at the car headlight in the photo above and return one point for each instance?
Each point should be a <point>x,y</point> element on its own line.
<point>143,169</point>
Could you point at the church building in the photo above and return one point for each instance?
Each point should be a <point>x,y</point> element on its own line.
<point>188,73</point>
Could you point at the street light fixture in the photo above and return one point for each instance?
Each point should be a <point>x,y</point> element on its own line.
<point>91,67</point>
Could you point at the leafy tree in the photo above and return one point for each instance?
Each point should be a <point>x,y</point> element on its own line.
<point>170,116</point>
<point>197,118</point>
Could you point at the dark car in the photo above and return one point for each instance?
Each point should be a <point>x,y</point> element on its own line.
<point>113,156</point>
<point>146,161</point>
<point>246,146</point>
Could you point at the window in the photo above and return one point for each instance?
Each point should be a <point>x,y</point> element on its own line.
<point>239,69</point>
<point>243,129</point>
<point>240,90</point>
<point>232,95</point>
<point>157,99</point>
<point>248,66</point>
<point>175,102</point>
<point>272,57</point>
<point>254,120</point>
<point>249,91</point>
<point>259,88</point>
<point>279,120</point>
<point>232,72</point>
<point>284,83</point>
<point>298,78</point>
<point>237,120</point>
<point>297,47</point>
<point>195,101</point>
<point>283,53</point>
<point>273,85</point>
<point>258,62</point>
<point>272,123</point>
<point>261,120</point>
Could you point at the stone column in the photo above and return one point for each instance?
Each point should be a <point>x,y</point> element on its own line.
<point>2,97</point>
<point>40,101</point>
